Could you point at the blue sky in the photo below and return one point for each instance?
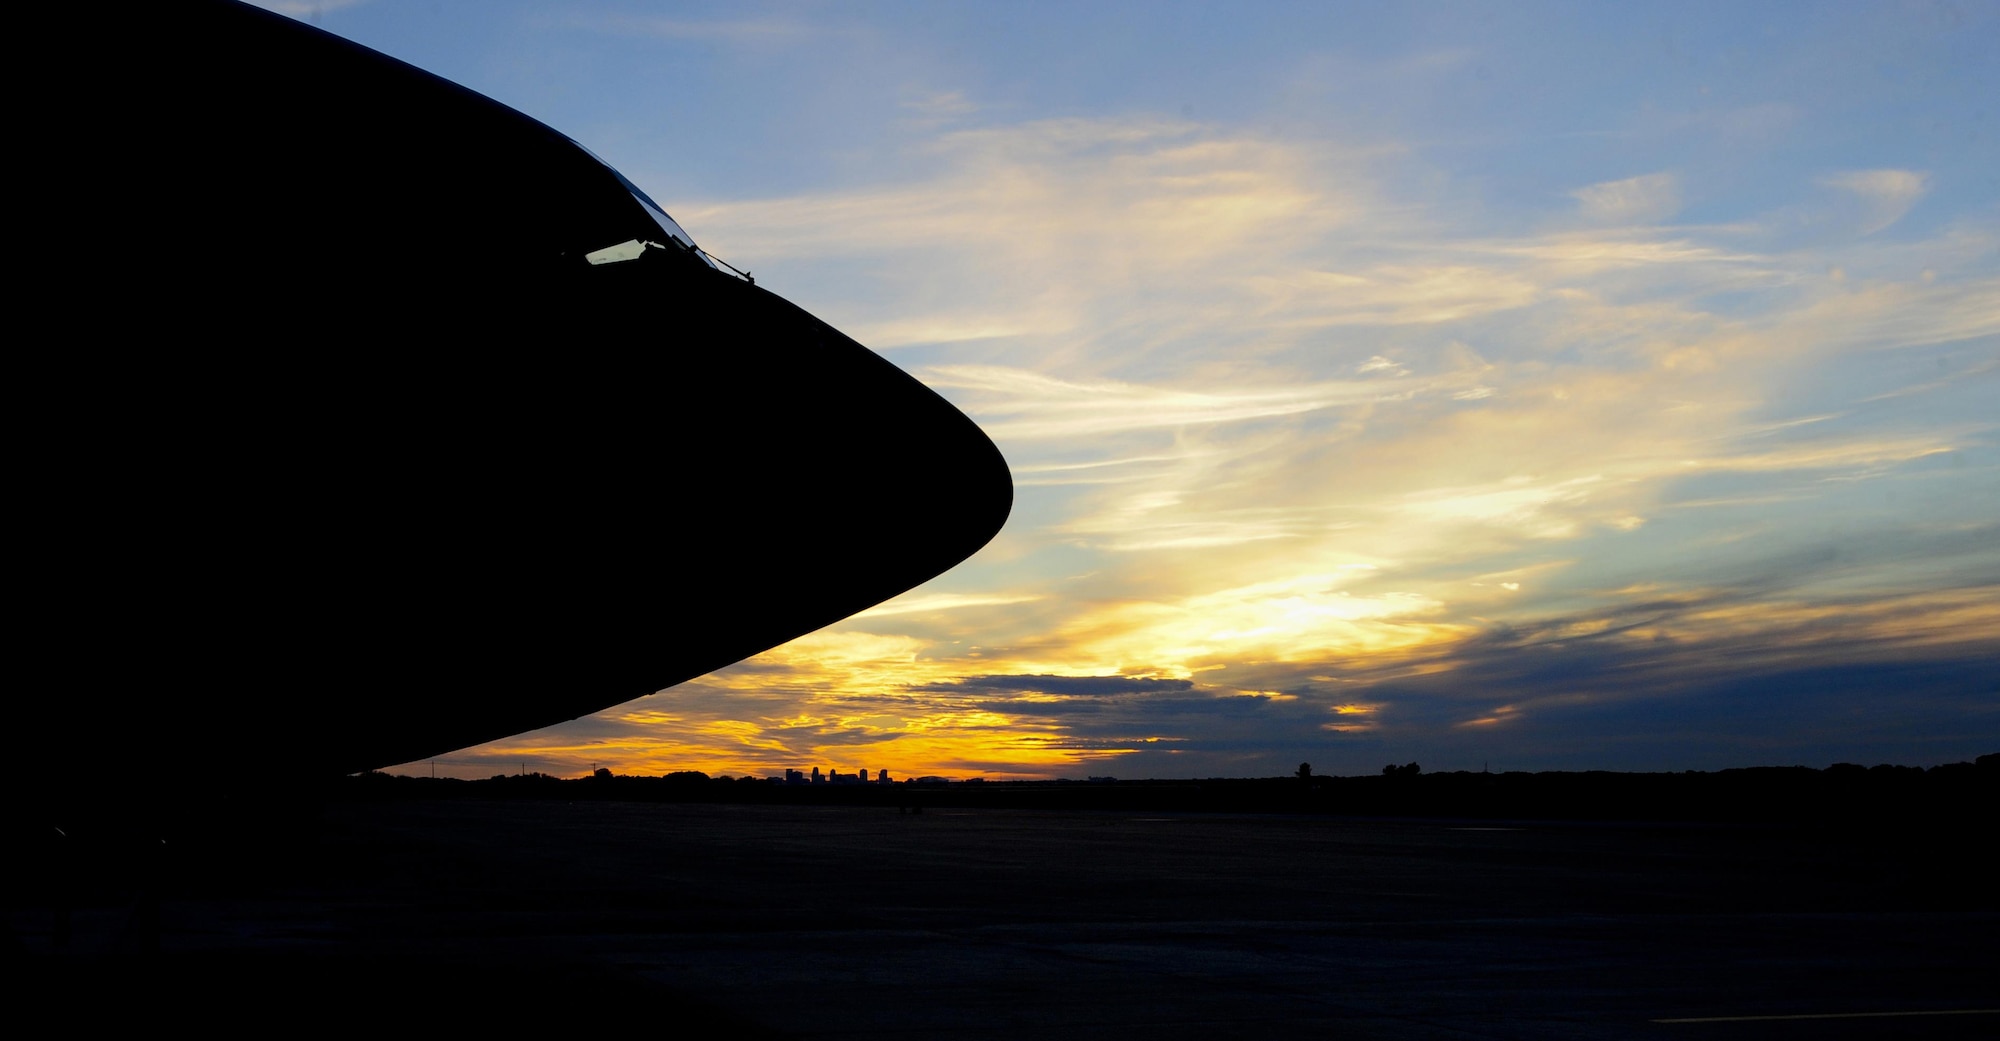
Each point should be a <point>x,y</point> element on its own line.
<point>1550,386</point>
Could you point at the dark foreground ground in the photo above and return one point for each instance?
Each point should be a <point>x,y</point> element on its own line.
<point>746,921</point>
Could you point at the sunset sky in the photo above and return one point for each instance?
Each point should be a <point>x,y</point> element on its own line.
<point>1541,386</point>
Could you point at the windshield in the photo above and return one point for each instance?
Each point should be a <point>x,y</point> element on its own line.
<point>653,209</point>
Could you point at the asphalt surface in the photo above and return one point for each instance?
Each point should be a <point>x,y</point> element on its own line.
<point>867,923</point>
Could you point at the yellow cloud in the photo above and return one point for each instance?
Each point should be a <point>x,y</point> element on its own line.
<point>923,603</point>
<point>1288,619</point>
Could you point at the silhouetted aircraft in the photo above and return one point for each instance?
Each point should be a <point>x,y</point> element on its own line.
<point>364,418</point>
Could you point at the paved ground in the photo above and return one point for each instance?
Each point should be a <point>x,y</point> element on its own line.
<point>786,921</point>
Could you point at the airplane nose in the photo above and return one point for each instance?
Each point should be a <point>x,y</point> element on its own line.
<point>371,450</point>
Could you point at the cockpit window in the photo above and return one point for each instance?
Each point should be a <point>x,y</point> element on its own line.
<point>653,210</point>
<point>632,249</point>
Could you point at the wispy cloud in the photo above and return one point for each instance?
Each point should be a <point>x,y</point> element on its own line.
<point>1886,194</point>
<point>1021,405</point>
<point>933,109</point>
<point>755,31</point>
<point>925,603</point>
<point>307,9</point>
<point>1651,197</point>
